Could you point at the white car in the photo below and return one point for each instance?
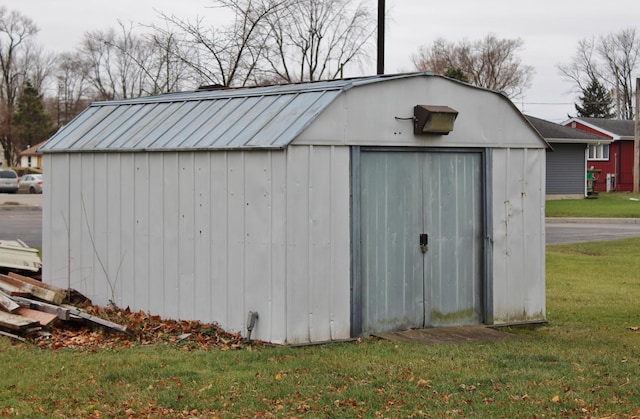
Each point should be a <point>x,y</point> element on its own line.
<point>30,183</point>
<point>8,181</point>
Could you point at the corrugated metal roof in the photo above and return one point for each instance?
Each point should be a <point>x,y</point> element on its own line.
<point>261,118</point>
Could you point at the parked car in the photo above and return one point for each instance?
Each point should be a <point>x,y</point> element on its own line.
<point>8,181</point>
<point>30,183</point>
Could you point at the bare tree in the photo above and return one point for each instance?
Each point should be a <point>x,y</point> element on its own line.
<point>226,56</point>
<point>73,88</point>
<point>315,39</point>
<point>16,33</point>
<point>491,63</point>
<point>116,62</point>
<point>611,59</point>
<point>275,41</point>
<point>621,53</point>
<point>165,70</point>
<point>583,67</point>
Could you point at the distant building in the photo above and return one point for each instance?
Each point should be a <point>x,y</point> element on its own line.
<point>612,158</point>
<point>32,157</point>
<point>566,171</point>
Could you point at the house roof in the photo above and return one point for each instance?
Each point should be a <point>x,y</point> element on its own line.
<point>615,128</point>
<point>247,118</point>
<point>556,133</point>
<point>33,150</point>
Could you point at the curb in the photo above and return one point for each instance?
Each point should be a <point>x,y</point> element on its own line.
<point>592,220</point>
<point>19,207</point>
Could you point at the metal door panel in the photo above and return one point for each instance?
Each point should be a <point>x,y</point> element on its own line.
<point>392,295</point>
<point>406,194</point>
<point>453,220</point>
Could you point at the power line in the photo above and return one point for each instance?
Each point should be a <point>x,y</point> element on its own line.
<point>547,103</point>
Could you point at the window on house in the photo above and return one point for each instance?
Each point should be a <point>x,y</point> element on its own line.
<point>598,152</point>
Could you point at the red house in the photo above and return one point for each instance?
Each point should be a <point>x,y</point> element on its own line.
<point>614,160</point>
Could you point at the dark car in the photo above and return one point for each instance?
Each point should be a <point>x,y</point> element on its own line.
<point>8,181</point>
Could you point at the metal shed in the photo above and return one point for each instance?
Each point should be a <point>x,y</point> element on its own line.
<point>327,208</point>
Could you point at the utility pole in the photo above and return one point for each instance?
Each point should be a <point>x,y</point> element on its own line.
<point>636,141</point>
<point>380,37</point>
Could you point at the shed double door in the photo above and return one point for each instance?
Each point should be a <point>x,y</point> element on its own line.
<point>421,239</point>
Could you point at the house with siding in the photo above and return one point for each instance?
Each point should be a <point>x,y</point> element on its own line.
<point>567,164</point>
<point>32,157</point>
<point>322,211</point>
<point>613,157</point>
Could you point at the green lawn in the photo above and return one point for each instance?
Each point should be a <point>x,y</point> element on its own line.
<point>584,363</point>
<point>617,205</point>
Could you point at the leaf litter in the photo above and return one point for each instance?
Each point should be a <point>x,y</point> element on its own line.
<point>142,329</point>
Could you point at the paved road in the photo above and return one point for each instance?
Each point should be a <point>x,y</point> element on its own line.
<point>26,225</point>
<point>23,225</point>
<point>575,231</point>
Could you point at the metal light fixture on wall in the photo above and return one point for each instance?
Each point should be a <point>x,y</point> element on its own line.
<point>430,119</point>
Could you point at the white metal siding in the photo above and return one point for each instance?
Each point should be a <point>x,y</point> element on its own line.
<point>319,243</point>
<point>207,235</point>
<point>518,235</point>
<point>382,115</point>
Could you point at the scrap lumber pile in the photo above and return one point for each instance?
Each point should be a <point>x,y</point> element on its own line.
<point>16,255</point>
<point>50,317</point>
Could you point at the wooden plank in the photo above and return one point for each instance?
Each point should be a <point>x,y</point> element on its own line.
<point>37,283</point>
<point>12,336</point>
<point>66,312</point>
<point>10,282</point>
<point>97,320</point>
<point>45,319</point>
<point>61,312</point>
<point>7,304</point>
<point>15,322</point>
<point>34,290</point>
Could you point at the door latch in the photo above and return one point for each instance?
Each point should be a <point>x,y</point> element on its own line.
<point>424,242</point>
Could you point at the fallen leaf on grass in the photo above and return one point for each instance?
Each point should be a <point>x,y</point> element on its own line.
<point>424,383</point>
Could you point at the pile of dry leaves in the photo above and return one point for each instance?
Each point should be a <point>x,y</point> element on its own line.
<point>37,312</point>
<point>142,329</point>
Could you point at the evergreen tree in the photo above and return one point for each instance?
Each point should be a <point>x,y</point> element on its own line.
<point>31,124</point>
<point>457,74</point>
<point>596,101</point>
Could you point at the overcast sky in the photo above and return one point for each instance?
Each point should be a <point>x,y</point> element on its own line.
<point>550,30</point>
